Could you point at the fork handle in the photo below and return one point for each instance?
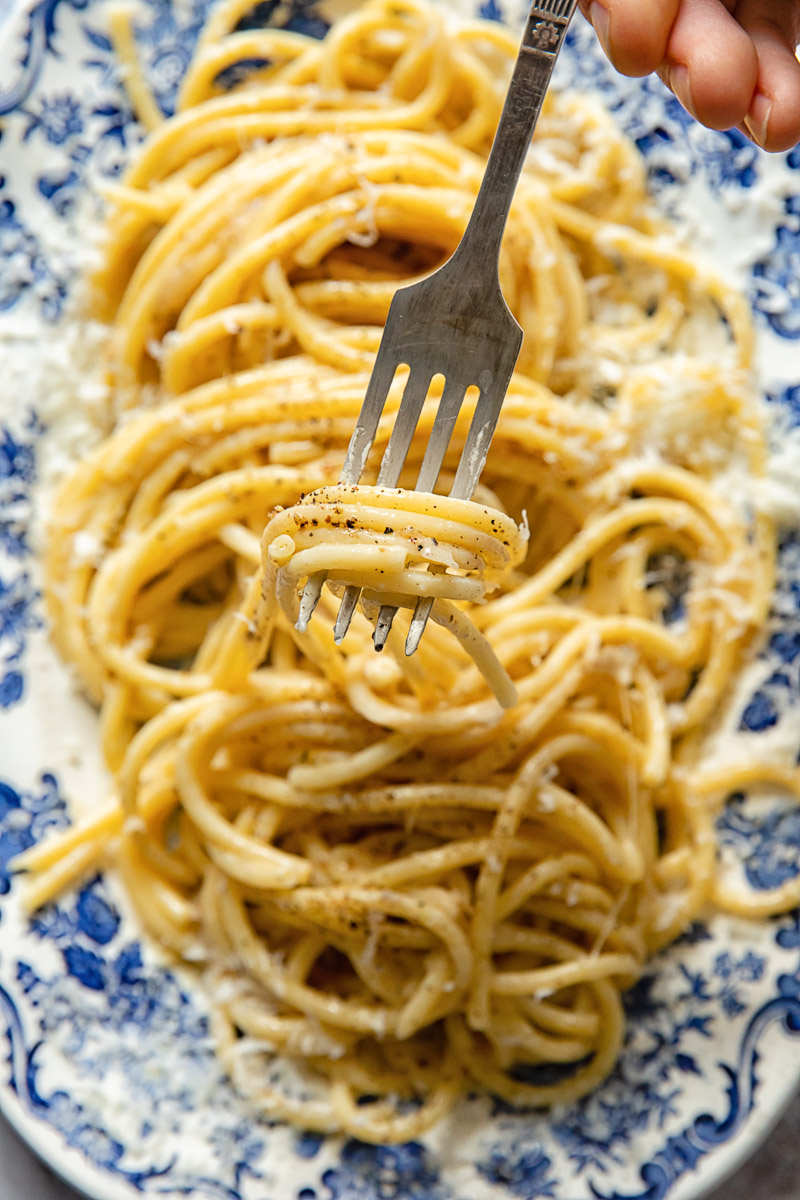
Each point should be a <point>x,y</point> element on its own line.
<point>544,34</point>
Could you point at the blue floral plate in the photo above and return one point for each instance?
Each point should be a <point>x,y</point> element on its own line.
<point>110,1074</point>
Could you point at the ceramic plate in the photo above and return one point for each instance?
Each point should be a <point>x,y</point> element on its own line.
<point>110,1074</point>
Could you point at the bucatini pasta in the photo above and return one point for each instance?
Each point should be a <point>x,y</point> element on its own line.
<point>396,887</point>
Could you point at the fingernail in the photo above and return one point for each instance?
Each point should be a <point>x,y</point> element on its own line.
<point>679,82</point>
<point>598,15</point>
<point>757,120</point>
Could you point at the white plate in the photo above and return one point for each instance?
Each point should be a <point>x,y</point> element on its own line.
<point>110,1075</point>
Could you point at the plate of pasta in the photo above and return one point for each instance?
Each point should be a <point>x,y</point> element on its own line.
<point>515,916</point>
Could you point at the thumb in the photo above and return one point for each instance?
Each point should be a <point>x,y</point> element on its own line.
<point>633,33</point>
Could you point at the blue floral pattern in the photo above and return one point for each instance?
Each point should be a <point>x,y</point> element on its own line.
<point>667,1030</point>
<point>58,118</point>
<point>526,1174</point>
<point>103,1006</point>
<point>19,599</point>
<point>779,692</point>
<point>92,1014</point>
<point>767,844</point>
<point>776,278</point>
<point>24,266</point>
<point>96,1003</point>
<point>389,1172</point>
<point>37,41</point>
<point>25,817</point>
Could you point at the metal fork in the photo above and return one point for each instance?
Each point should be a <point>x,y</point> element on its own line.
<point>455,323</point>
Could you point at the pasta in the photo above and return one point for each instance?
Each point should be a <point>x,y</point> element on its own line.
<point>395,888</point>
<point>373,538</point>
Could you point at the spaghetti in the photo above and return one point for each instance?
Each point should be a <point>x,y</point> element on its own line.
<point>396,888</point>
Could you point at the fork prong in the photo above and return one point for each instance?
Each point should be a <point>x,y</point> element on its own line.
<point>404,427</point>
<point>416,390</point>
<point>309,600</point>
<point>363,436</point>
<point>443,426</point>
<point>346,610</point>
<point>442,431</point>
<point>380,381</point>
<point>418,622</point>
<point>482,426</point>
<point>473,459</point>
<point>383,626</point>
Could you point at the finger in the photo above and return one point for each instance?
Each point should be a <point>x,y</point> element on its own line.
<point>773,119</point>
<point>712,65</point>
<point>634,35</point>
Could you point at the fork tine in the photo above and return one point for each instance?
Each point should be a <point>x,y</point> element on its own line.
<point>363,436</point>
<point>309,600</point>
<point>473,460</point>
<point>442,431</point>
<point>345,615</point>
<point>404,427</point>
<point>472,463</point>
<point>392,464</point>
<point>418,623</point>
<point>346,610</point>
<point>416,390</point>
<point>443,426</point>
<point>482,427</point>
<point>383,626</point>
<point>380,381</point>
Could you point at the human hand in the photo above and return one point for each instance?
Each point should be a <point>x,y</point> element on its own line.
<point>729,62</point>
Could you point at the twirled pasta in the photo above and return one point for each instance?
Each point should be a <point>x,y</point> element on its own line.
<point>382,540</point>
<point>399,889</point>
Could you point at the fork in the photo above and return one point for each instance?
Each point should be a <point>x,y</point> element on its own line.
<point>454,323</point>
